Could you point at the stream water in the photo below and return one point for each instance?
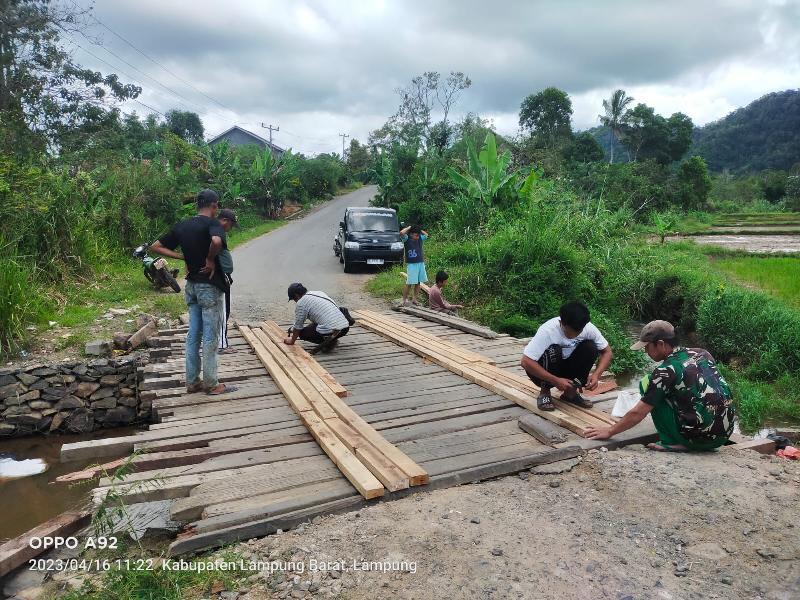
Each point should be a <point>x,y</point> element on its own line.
<point>28,468</point>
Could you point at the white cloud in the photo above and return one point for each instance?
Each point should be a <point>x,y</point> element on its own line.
<point>326,67</point>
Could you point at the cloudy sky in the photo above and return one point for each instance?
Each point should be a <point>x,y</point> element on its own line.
<point>318,68</point>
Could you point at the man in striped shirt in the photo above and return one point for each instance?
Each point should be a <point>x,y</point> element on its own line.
<point>327,325</point>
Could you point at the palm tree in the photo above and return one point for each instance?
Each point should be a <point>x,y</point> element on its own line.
<point>616,115</point>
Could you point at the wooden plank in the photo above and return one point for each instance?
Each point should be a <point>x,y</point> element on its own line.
<point>336,387</point>
<point>212,539</point>
<point>542,429</point>
<point>192,456</point>
<point>17,551</point>
<point>254,508</point>
<point>361,478</point>
<point>357,434</point>
<point>410,334</point>
<point>486,376</point>
<point>450,321</point>
<point>229,460</point>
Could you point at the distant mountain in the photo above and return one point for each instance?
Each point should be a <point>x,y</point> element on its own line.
<point>765,134</point>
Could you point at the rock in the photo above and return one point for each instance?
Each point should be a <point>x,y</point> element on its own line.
<point>28,396</point>
<point>121,415</point>
<point>54,393</point>
<point>7,429</point>
<point>44,372</point>
<point>40,404</point>
<point>726,579</point>
<point>27,378</point>
<point>15,410</point>
<point>7,380</point>
<point>28,418</point>
<point>111,379</point>
<point>497,552</point>
<point>127,401</point>
<point>560,466</point>
<point>126,391</point>
<point>120,340</point>
<point>708,550</point>
<point>68,403</point>
<point>475,520</point>
<point>57,421</point>
<point>767,552</point>
<point>228,595</point>
<point>143,319</point>
<point>97,348</point>
<point>80,421</point>
<point>184,319</point>
<point>11,391</point>
<point>555,483</point>
<point>104,403</point>
<point>86,389</point>
<point>39,385</point>
<point>80,369</point>
<point>119,311</point>
<point>524,475</point>
<point>103,392</point>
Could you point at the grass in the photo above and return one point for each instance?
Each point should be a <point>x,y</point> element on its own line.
<point>121,284</point>
<point>163,584</point>
<point>780,277</point>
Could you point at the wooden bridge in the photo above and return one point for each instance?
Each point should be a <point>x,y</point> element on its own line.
<point>419,405</point>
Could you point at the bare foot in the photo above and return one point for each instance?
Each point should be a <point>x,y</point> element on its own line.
<point>659,447</point>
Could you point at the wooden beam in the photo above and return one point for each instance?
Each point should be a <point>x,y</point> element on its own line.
<point>17,551</point>
<point>388,467</point>
<point>361,478</point>
<point>450,321</point>
<point>487,376</point>
<point>271,327</point>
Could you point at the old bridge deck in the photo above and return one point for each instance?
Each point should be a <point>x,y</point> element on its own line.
<point>243,464</point>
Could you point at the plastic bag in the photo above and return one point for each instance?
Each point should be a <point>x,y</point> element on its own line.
<point>626,400</point>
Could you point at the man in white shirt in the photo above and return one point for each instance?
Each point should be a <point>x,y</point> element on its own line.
<point>562,353</point>
<point>328,322</point>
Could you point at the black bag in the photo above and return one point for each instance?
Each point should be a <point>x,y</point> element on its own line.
<point>347,316</point>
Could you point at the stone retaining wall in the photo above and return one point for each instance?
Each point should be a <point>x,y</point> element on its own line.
<point>71,396</point>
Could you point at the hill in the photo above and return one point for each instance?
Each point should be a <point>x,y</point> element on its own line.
<point>765,134</point>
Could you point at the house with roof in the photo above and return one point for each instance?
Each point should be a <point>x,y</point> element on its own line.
<point>236,136</point>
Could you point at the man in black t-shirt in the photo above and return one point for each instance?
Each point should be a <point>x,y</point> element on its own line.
<point>200,238</point>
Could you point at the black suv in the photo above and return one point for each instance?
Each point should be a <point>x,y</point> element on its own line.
<point>368,236</point>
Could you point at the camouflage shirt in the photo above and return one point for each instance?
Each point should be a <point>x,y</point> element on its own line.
<point>689,381</point>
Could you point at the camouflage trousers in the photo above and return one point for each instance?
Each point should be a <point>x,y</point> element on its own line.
<point>669,433</point>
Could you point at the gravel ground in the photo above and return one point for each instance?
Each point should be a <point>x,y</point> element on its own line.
<point>626,524</point>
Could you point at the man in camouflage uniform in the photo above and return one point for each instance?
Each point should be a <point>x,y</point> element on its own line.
<point>686,396</point>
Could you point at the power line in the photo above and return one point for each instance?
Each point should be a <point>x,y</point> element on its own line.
<point>150,77</point>
<point>343,136</point>
<point>148,57</point>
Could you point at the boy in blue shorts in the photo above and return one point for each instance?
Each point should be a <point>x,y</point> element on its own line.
<point>412,237</point>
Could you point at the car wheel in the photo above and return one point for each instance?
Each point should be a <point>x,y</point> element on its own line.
<point>348,268</point>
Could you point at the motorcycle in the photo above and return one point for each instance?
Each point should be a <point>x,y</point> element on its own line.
<point>156,270</point>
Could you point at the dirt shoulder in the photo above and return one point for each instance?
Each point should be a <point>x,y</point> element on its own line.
<point>622,524</point>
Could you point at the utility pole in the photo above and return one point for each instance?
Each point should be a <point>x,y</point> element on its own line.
<point>343,135</point>
<point>271,129</point>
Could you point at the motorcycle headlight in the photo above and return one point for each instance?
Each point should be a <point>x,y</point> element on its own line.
<point>397,245</point>
<point>351,245</point>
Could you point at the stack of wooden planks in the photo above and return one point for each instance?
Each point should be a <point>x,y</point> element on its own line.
<point>363,455</point>
<point>480,370</point>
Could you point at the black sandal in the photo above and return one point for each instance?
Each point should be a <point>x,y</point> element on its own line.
<point>545,402</point>
<point>578,400</point>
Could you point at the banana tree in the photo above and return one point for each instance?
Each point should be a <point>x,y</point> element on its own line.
<point>485,177</point>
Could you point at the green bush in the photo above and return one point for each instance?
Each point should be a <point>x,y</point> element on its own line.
<point>20,301</point>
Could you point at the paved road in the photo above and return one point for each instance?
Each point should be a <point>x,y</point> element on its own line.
<point>299,251</point>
